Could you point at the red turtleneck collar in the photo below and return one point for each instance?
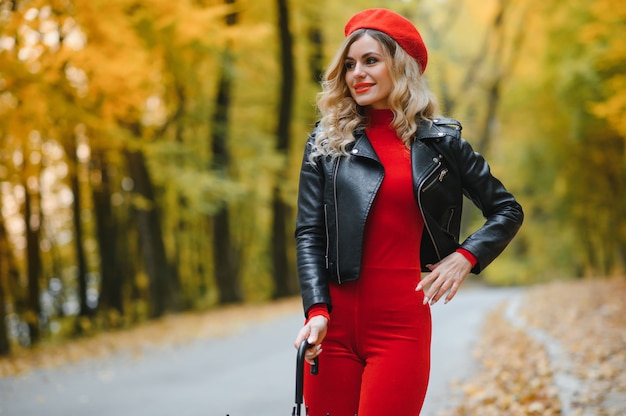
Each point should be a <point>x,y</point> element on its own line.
<point>379,118</point>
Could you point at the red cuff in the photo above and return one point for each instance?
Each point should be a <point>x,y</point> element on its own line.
<point>469,256</point>
<point>319,309</point>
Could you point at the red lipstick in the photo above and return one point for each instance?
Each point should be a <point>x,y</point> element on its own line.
<point>362,87</point>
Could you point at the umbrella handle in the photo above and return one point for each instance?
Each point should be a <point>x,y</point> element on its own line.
<point>300,375</point>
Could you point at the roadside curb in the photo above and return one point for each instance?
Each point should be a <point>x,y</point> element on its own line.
<point>566,383</point>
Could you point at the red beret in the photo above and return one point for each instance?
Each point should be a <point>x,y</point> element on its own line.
<point>398,27</point>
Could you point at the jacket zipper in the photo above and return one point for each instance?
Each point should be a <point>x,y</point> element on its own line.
<point>434,181</point>
<point>326,255</point>
<point>421,189</point>
<point>336,218</point>
<point>450,220</point>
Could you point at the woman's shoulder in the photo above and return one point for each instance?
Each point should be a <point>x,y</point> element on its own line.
<point>316,128</point>
<point>439,128</point>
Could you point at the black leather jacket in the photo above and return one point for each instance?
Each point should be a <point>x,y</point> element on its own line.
<point>335,196</point>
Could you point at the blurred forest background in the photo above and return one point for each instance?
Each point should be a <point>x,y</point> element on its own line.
<point>149,150</point>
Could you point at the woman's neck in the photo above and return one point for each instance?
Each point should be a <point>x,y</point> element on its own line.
<point>380,118</point>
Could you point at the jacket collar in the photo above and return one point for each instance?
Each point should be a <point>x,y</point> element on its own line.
<point>427,129</point>
<point>436,128</point>
<point>362,146</point>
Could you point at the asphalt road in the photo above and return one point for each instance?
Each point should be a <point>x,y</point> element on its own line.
<point>250,373</point>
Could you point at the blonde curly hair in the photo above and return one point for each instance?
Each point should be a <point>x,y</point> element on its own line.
<point>410,99</point>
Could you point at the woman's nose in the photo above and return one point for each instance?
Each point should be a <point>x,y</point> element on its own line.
<point>359,71</point>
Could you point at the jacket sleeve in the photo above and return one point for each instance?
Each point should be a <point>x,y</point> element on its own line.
<point>311,234</point>
<point>503,214</point>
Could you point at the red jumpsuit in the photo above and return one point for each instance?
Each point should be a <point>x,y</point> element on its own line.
<point>376,354</point>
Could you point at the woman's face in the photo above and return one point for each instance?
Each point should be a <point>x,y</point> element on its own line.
<point>367,73</point>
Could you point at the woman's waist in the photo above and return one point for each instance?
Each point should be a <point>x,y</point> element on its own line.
<point>394,268</point>
<point>391,256</point>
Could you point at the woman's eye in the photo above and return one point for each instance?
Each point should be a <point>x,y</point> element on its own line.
<point>349,65</point>
<point>371,61</point>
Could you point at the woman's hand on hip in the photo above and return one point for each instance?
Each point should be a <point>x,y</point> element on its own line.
<point>314,331</point>
<point>445,277</point>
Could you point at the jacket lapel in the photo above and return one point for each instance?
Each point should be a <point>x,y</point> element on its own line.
<point>362,147</point>
<point>423,161</point>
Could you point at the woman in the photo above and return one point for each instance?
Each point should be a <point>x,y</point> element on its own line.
<point>379,201</point>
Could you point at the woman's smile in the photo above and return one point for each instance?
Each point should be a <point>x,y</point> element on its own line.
<point>362,87</point>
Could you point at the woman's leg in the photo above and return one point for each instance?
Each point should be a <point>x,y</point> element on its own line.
<point>394,339</point>
<point>395,380</point>
<point>335,390</point>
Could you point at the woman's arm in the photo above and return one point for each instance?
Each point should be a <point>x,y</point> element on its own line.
<point>311,234</point>
<point>504,217</point>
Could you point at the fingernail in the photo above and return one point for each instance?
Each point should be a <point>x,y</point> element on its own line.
<point>419,287</point>
<point>425,300</point>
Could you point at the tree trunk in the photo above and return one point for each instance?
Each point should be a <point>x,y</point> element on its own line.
<point>226,258</point>
<point>316,58</point>
<point>5,269</point>
<point>111,279</point>
<point>79,251</point>
<point>81,262</point>
<point>150,235</point>
<point>127,252</point>
<point>285,283</point>
<point>501,68</point>
<point>32,220</point>
<point>226,254</point>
